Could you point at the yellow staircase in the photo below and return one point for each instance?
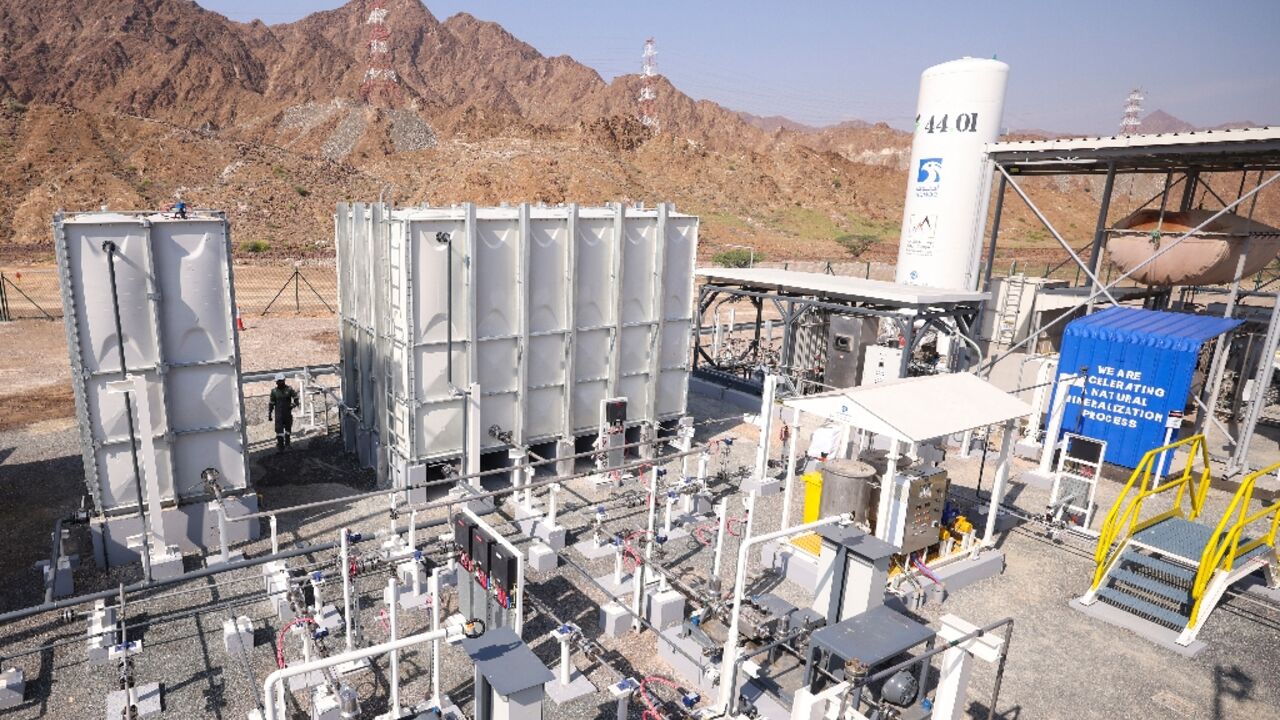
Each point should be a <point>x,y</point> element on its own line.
<point>1156,561</point>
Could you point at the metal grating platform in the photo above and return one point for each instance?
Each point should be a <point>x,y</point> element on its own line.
<point>1176,536</point>
<point>1144,608</point>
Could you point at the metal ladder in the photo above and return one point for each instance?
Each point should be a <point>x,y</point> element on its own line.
<point>1010,306</point>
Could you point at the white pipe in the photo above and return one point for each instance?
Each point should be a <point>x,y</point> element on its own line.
<point>275,681</point>
<point>766,426</point>
<point>637,592</point>
<point>565,674</point>
<point>552,490</point>
<point>275,539</point>
<point>393,585</point>
<point>793,446</point>
<point>222,530</point>
<point>723,511</point>
<point>1051,433</point>
<point>435,644</point>
<point>472,399</point>
<point>518,624</point>
<point>617,565</point>
<point>1002,477</point>
<point>666,521</point>
<point>704,458</point>
<point>884,523</point>
<point>730,656</point>
<point>413,530</point>
<point>344,553</point>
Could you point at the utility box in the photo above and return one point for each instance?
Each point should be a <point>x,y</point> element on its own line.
<point>848,338</point>
<point>881,364</point>
<point>552,310</point>
<point>509,679</point>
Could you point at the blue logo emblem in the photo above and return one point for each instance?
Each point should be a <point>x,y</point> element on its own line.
<point>915,275</point>
<point>930,171</point>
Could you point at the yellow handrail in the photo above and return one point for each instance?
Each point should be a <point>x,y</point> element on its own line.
<point>1222,550</point>
<point>1126,514</point>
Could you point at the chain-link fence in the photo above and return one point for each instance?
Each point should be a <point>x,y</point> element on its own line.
<point>304,288</point>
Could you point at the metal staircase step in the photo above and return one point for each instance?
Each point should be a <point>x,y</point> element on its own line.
<point>1260,550</point>
<point>1138,606</point>
<point>1182,572</point>
<point>1176,536</point>
<point>1152,585</point>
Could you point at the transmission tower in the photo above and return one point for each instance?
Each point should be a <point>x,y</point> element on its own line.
<point>649,96</point>
<point>381,85</point>
<point>1132,120</point>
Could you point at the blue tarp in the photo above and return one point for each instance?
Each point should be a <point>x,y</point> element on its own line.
<point>1139,365</point>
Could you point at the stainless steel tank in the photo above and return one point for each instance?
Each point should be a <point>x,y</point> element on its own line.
<point>849,485</point>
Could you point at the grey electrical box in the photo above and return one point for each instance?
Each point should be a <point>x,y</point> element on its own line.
<point>847,340</point>
<point>509,677</point>
<point>926,494</point>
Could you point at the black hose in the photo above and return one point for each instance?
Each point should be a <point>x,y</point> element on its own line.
<point>111,250</point>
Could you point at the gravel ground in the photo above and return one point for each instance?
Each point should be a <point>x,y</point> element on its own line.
<point>1062,664</point>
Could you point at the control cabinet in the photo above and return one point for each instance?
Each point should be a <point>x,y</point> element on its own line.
<point>925,493</point>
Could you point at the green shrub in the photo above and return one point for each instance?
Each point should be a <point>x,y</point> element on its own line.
<point>856,243</point>
<point>256,246</point>
<point>735,258</point>
<point>301,190</point>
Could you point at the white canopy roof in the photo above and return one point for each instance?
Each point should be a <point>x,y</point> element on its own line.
<point>917,409</point>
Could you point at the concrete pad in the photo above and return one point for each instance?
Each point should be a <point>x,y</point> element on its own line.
<point>149,702</point>
<point>665,609</point>
<point>589,550</point>
<point>1158,634</point>
<point>542,558</point>
<point>578,686</point>
<point>614,619</point>
<point>763,486</point>
<point>615,589</point>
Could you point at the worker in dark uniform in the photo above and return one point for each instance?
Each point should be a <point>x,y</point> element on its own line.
<point>283,400</point>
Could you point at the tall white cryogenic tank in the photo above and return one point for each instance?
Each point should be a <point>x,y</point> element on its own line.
<point>959,111</point>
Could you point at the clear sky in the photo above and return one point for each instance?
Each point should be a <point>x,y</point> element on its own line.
<point>822,61</point>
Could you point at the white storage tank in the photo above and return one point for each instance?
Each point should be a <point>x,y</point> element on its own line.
<point>553,310</point>
<point>174,286</point>
<point>959,111</point>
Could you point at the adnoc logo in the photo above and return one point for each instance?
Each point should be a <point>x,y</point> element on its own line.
<point>930,171</point>
<point>928,177</point>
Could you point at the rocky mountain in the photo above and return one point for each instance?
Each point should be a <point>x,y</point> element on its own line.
<point>130,102</point>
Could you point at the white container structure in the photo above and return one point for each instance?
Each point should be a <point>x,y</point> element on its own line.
<point>553,310</point>
<point>175,299</point>
<point>959,111</point>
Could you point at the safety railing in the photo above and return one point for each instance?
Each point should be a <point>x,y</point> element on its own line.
<point>1125,517</point>
<point>1223,548</point>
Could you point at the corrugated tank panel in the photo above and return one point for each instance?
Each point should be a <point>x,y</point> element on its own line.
<point>174,287</point>
<point>552,310</point>
<point>1140,365</point>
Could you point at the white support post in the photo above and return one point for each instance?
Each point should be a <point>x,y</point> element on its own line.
<point>435,644</point>
<point>1002,479</point>
<point>1059,409</point>
<point>473,432</point>
<point>638,579</point>
<point>552,491</point>
<point>617,565</point>
<point>950,696</point>
<point>766,425</point>
<point>793,445</point>
<point>566,667</point>
<point>888,489</point>
<point>722,511</point>
<point>275,538</point>
<point>666,520</point>
<point>345,553</point>
<point>704,459</point>
<point>393,611</point>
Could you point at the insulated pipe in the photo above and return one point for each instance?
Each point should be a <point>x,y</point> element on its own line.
<point>111,250</point>
<point>793,446</point>
<point>276,679</point>
<point>729,656</point>
<point>518,624</point>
